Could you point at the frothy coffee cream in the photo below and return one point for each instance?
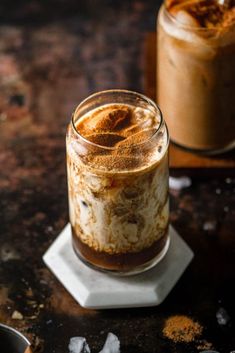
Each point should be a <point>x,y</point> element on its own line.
<point>196,72</point>
<point>203,13</point>
<point>118,186</point>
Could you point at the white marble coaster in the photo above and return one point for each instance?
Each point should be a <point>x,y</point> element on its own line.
<point>97,290</point>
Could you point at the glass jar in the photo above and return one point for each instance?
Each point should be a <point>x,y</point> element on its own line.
<point>117,162</point>
<point>196,73</point>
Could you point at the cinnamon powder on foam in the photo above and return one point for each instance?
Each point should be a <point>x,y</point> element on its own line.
<point>116,126</point>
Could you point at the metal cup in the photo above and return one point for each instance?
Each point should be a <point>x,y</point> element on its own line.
<point>12,340</point>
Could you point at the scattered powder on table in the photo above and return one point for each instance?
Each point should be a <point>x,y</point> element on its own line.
<point>204,345</point>
<point>180,328</point>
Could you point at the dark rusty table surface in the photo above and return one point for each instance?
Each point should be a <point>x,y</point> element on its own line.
<point>51,57</point>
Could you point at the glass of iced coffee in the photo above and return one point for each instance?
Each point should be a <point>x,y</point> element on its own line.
<point>117,162</point>
<point>196,72</point>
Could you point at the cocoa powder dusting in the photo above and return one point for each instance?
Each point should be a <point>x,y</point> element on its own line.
<point>126,130</point>
<point>180,328</point>
<point>105,139</point>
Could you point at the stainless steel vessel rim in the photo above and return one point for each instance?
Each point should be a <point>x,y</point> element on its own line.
<point>4,327</point>
<point>142,96</point>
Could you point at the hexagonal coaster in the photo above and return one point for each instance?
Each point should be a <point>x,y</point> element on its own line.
<point>97,290</point>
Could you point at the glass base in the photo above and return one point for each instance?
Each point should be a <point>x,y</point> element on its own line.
<point>134,271</point>
<point>206,152</point>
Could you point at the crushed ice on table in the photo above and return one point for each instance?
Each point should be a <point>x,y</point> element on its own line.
<point>228,180</point>
<point>112,344</point>
<point>78,345</point>
<point>179,183</point>
<point>222,317</point>
<point>210,225</point>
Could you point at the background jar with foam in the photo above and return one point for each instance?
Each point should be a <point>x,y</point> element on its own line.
<point>196,73</point>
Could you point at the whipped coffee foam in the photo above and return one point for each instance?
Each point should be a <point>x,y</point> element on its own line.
<point>121,138</point>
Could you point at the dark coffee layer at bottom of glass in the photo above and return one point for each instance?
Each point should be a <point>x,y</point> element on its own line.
<point>117,262</point>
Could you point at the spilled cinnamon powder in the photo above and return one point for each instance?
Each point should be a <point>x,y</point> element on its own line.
<point>204,345</point>
<point>180,328</point>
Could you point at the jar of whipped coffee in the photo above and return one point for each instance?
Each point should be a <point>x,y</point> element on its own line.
<point>196,72</point>
<point>117,161</point>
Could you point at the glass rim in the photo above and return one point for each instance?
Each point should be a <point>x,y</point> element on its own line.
<point>194,28</point>
<point>124,91</point>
